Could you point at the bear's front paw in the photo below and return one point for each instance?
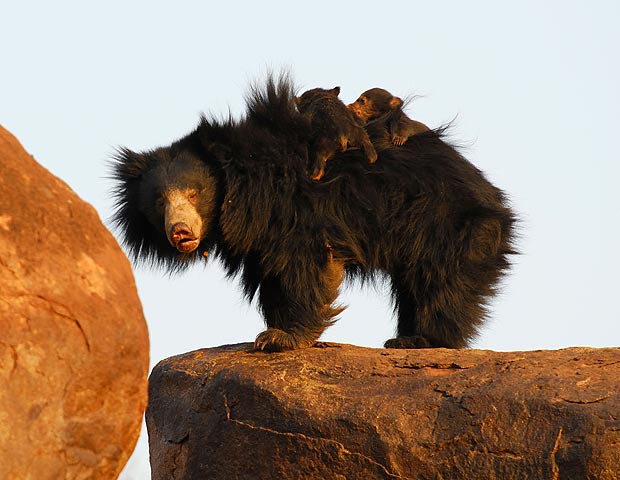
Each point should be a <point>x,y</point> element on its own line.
<point>276,340</point>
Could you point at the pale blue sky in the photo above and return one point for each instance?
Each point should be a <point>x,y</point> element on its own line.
<point>534,85</point>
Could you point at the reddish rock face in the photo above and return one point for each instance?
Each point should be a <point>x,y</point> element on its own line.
<point>73,339</point>
<point>348,412</point>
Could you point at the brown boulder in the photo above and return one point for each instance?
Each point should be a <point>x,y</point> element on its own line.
<point>345,412</point>
<point>73,340</point>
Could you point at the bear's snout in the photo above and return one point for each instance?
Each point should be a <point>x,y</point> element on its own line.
<point>182,222</point>
<point>357,111</point>
<point>182,238</point>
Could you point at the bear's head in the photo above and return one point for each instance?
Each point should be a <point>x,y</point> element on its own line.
<point>165,205</point>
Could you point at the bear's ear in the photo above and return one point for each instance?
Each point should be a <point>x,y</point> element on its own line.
<point>335,91</point>
<point>395,103</point>
<point>129,164</point>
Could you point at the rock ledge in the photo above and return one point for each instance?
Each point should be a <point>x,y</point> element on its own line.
<point>340,411</point>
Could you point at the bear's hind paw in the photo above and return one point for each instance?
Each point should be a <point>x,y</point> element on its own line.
<point>416,341</point>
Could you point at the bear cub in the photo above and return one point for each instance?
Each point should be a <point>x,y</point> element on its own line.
<point>333,128</point>
<point>376,102</point>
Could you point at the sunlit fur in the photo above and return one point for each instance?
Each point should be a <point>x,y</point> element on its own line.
<point>422,216</point>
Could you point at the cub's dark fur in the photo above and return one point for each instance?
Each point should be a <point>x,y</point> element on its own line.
<point>333,128</point>
<point>422,215</point>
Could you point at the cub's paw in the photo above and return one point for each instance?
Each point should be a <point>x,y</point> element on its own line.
<point>317,175</point>
<point>399,140</point>
<point>276,340</point>
<point>371,154</point>
<point>416,341</point>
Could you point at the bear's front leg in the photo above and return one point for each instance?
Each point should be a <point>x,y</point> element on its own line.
<point>297,309</point>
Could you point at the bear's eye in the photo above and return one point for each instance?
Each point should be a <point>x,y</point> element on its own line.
<point>192,194</point>
<point>159,202</point>
<point>362,100</point>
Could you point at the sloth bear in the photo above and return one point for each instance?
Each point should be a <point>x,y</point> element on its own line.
<point>422,216</point>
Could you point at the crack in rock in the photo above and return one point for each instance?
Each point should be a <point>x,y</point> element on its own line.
<point>14,357</point>
<point>440,366</point>
<point>63,311</point>
<point>308,438</point>
<point>587,402</point>
<point>177,465</point>
<point>60,310</point>
<point>555,469</point>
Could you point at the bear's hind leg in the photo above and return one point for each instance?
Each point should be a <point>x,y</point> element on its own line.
<point>440,317</point>
<point>407,330</point>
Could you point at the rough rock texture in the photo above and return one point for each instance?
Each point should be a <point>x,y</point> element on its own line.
<point>73,340</point>
<point>345,412</point>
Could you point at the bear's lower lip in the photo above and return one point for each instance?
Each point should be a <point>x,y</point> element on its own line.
<point>187,245</point>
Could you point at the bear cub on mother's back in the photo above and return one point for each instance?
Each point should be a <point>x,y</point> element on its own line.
<point>376,103</point>
<point>333,128</point>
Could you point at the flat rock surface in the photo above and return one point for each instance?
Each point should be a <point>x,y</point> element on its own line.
<point>73,339</point>
<point>345,412</point>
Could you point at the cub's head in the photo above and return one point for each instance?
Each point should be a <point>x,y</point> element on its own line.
<point>165,205</point>
<point>373,103</point>
<point>316,97</point>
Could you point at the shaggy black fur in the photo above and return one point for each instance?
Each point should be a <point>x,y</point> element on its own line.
<point>422,215</point>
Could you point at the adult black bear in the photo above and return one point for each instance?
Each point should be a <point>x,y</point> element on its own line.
<point>422,215</point>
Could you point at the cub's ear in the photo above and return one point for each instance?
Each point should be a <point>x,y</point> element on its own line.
<point>395,103</point>
<point>335,91</point>
<point>128,164</point>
